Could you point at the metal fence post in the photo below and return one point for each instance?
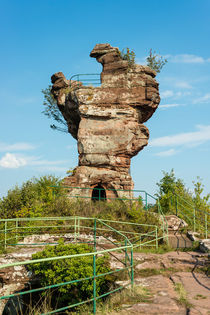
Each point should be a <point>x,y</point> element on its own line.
<point>126,253</point>
<point>78,227</point>
<point>94,270</point>
<point>206,230</point>
<point>78,81</point>
<point>75,229</point>
<point>5,234</point>
<point>156,238</point>
<point>146,200</point>
<point>158,206</point>
<point>193,219</point>
<point>16,230</point>
<point>132,271</point>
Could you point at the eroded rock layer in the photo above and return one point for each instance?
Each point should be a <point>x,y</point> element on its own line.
<point>107,121</point>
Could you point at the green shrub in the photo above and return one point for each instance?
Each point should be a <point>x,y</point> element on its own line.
<point>32,199</point>
<point>65,270</point>
<point>129,55</point>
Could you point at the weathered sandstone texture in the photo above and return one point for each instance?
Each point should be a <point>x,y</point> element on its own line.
<point>107,121</point>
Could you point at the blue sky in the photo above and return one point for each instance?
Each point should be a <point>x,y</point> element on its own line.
<point>39,38</point>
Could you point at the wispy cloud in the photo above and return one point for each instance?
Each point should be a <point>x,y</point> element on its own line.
<point>186,58</point>
<point>203,99</point>
<point>19,146</point>
<point>52,169</point>
<point>167,106</point>
<point>167,93</point>
<point>167,153</point>
<point>179,58</point>
<point>188,139</point>
<point>13,160</point>
<point>175,95</point>
<point>183,85</point>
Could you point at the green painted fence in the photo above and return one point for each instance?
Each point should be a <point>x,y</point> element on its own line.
<point>121,239</point>
<point>198,219</point>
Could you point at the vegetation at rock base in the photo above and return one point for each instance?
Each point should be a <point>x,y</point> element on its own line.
<point>38,198</point>
<point>113,303</point>
<point>155,61</point>
<point>116,302</point>
<point>67,270</point>
<point>33,199</point>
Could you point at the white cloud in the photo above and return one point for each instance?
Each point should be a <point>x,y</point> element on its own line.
<point>166,106</point>
<point>10,160</point>
<point>52,169</point>
<point>188,139</point>
<point>167,93</point>
<point>19,146</point>
<point>181,94</point>
<point>37,161</point>
<point>169,152</point>
<point>202,99</point>
<point>186,58</point>
<point>183,85</point>
<point>174,95</point>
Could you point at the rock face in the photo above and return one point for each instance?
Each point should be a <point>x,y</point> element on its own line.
<point>107,121</point>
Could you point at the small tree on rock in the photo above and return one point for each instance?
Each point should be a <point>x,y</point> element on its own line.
<point>155,61</point>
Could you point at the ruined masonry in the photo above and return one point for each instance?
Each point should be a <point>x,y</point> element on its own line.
<point>107,121</point>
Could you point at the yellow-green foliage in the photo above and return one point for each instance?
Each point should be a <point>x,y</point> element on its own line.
<point>32,199</point>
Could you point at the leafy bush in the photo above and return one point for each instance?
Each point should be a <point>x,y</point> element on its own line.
<point>32,199</point>
<point>129,55</point>
<point>155,61</point>
<point>65,270</point>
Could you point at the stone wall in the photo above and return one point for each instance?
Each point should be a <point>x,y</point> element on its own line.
<point>107,121</point>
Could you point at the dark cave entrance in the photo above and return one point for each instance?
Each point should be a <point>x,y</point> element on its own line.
<point>98,193</point>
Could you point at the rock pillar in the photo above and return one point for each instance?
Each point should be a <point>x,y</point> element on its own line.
<point>107,121</point>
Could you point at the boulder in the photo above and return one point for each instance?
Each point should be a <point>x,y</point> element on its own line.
<point>204,245</point>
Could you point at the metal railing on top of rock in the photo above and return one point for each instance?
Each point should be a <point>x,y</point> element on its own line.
<point>94,80</point>
<point>87,79</point>
<point>121,241</point>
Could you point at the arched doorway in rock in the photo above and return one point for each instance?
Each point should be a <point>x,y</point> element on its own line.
<point>98,193</point>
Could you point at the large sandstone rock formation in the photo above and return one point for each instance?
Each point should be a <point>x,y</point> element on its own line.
<point>107,121</point>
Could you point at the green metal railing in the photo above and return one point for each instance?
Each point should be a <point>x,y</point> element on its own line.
<point>88,79</point>
<point>125,195</point>
<point>94,79</point>
<point>199,220</point>
<point>122,239</point>
<point>116,194</point>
